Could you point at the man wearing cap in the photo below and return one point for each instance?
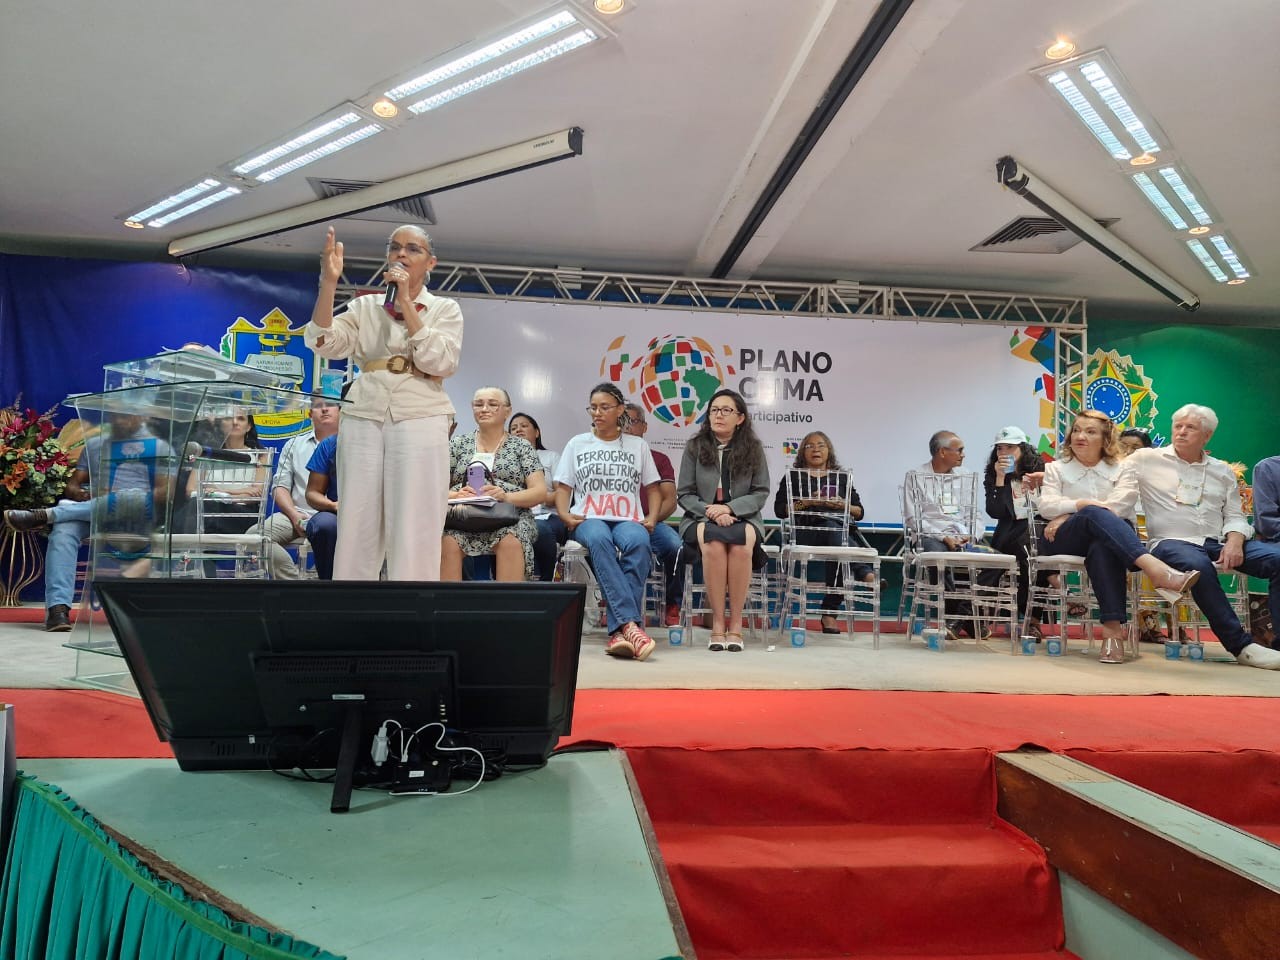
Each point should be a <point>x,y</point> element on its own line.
<point>1195,521</point>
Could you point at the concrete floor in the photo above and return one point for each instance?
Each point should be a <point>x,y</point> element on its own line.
<point>29,657</point>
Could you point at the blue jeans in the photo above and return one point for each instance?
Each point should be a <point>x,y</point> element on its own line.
<point>665,543</point>
<point>70,520</point>
<point>322,534</point>
<point>1109,547</point>
<point>621,560</point>
<point>1260,560</point>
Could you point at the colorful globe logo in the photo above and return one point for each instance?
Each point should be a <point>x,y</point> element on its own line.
<point>674,377</point>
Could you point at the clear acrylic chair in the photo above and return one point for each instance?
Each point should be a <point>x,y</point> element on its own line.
<point>972,585</point>
<point>1185,622</point>
<point>825,534</point>
<point>1058,585</point>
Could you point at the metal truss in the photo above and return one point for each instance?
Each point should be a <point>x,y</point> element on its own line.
<point>790,298</point>
<point>1065,315</point>
<point>1070,364</point>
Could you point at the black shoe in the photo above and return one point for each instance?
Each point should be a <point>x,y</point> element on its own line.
<point>58,619</point>
<point>832,627</point>
<point>26,519</point>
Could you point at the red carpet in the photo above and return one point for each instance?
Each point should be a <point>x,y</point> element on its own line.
<point>838,807</point>
<point>83,723</point>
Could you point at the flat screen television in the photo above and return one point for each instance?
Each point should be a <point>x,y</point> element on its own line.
<point>225,667</point>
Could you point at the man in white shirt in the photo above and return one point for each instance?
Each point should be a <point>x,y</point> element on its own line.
<point>289,489</point>
<point>942,500</point>
<point>1195,522</point>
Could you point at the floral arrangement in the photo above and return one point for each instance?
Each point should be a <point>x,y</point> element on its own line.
<point>1246,491</point>
<point>34,464</point>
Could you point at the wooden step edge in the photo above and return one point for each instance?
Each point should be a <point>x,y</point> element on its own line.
<point>1198,882</point>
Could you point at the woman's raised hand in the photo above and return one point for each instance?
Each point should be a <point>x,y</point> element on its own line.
<point>331,258</point>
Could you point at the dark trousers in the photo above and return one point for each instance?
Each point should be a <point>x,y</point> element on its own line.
<point>1110,548</point>
<point>1260,560</point>
<point>551,536</point>
<point>322,534</point>
<point>829,537</point>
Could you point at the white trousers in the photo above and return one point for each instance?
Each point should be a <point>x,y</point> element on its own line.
<point>393,484</point>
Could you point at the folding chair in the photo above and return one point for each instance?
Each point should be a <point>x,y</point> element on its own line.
<point>942,584</point>
<point>825,535</point>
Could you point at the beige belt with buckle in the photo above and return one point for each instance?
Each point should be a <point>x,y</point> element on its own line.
<point>396,364</point>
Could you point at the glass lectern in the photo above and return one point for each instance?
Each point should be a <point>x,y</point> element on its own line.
<point>152,442</point>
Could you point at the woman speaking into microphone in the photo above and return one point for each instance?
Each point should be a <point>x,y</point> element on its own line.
<point>393,456</point>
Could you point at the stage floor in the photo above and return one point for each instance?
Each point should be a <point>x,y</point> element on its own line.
<point>29,657</point>
<point>550,863</point>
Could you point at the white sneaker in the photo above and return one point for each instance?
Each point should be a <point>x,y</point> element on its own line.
<point>1256,655</point>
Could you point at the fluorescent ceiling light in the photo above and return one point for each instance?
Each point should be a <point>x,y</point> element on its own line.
<point>1097,126</point>
<point>332,147</point>
<point>193,207</point>
<point>1093,89</point>
<point>1229,256</point>
<point>297,143</point>
<point>1175,195</point>
<point>1174,179</point>
<point>1206,260</point>
<point>511,42</point>
<point>1158,200</point>
<point>549,52</point>
<point>1098,79</point>
<point>182,196</point>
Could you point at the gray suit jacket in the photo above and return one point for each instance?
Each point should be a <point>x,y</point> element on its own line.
<point>696,490</point>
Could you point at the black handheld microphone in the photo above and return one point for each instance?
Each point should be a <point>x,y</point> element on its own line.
<point>195,450</point>
<point>390,301</point>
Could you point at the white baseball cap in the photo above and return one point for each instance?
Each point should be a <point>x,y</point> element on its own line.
<point>1011,435</point>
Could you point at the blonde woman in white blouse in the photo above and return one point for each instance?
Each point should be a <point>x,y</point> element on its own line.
<point>1088,497</point>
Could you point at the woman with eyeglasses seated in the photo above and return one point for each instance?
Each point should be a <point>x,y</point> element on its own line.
<point>393,462</point>
<point>724,483</point>
<point>513,475</point>
<point>1088,497</point>
<point>607,496</point>
<point>551,531</point>
<point>820,490</point>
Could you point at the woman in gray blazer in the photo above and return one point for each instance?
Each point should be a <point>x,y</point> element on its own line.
<point>724,483</point>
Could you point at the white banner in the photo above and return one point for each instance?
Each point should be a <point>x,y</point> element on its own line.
<point>879,389</point>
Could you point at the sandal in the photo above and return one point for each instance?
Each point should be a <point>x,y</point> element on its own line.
<point>715,643</point>
<point>733,642</point>
<point>1183,583</point>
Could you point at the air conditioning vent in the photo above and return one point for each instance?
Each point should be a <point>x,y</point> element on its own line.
<point>410,210</point>
<point>1033,235</point>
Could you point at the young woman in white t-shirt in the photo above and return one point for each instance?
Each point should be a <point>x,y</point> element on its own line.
<point>608,498</point>
<point>551,531</point>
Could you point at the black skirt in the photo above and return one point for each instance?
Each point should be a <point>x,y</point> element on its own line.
<point>735,534</point>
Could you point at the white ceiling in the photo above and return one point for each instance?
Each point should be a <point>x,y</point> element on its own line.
<point>687,110</point>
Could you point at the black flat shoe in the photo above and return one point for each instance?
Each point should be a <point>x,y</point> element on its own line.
<point>830,628</point>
